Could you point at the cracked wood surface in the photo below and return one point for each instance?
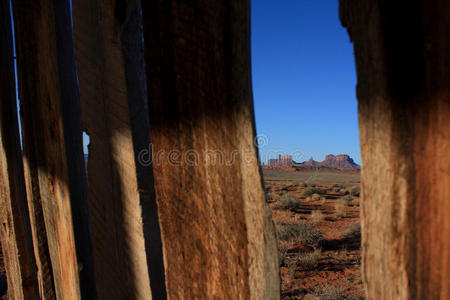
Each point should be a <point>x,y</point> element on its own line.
<point>402,57</point>
<point>125,228</point>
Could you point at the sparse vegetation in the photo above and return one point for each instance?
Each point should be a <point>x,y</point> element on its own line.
<point>316,197</point>
<point>271,196</point>
<point>270,174</point>
<point>348,199</point>
<point>354,202</point>
<point>353,232</point>
<point>339,208</point>
<point>282,254</point>
<point>330,292</point>
<point>317,216</point>
<point>309,191</point>
<point>355,191</point>
<point>310,297</point>
<point>305,233</point>
<point>339,186</point>
<point>281,193</point>
<point>299,223</point>
<point>292,267</point>
<point>287,201</point>
<point>309,260</point>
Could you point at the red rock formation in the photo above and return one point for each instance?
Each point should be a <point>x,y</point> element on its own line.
<point>310,162</point>
<point>339,161</point>
<point>332,161</point>
<point>285,160</point>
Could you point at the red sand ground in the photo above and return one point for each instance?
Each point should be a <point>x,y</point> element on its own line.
<point>339,263</point>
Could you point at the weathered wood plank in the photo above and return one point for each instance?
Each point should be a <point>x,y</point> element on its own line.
<point>39,234</point>
<point>218,236</point>
<point>15,230</point>
<point>53,142</point>
<point>403,64</point>
<point>125,226</point>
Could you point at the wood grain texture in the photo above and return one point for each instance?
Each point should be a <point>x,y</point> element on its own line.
<point>218,238</point>
<point>53,142</point>
<point>402,56</point>
<point>125,226</point>
<point>15,229</point>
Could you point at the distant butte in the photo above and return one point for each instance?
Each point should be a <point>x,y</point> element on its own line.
<point>341,161</point>
<point>333,161</point>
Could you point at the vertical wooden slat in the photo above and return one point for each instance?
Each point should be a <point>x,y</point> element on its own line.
<point>53,142</point>
<point>39,234</point>
<point>15,230</point>
<point>403,64</point>
<point>126,238</point>
<point>218,236</point>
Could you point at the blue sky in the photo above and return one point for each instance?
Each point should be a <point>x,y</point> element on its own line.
<point>304,80</point>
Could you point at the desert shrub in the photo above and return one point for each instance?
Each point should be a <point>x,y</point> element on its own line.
<point>354,202</point>
<point>355,191</point>
<point>317,216</point>
<point>304,184</point>
<point>321,191</point>
<point>308,261</point>
<point>337,185</point>
<point>339,208</point>
<point>287,201</point>
<point>345,192</point>
<point>281,193</point>
<point>312,185</point>
<point>271,196</point>
<point>309,191</point>
<point>353,232</point>
<point>310,297</point>
<point>348,198</point>
<point>282,254</point>
<point>292,267</point>
<point>316,197</point>
<point>330,292</point>
<point>303,232</point>
<point>336,190</point>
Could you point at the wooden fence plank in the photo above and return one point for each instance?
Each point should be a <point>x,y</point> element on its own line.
<point>52,131</point>
<point>218,237</point>
<point>15,230</point>
<point>126,238</point>
<point>403,66</point>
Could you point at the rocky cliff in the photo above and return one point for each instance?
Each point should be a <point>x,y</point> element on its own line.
<point>343,161</point>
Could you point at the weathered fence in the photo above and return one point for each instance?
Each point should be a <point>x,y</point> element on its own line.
<point>171,204</point>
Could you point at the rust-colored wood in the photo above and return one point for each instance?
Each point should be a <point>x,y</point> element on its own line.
<point>53,142</point>
<point>402,56</point>
<point>125,228</point>
<point>218,237</point>
<point>15,230</point>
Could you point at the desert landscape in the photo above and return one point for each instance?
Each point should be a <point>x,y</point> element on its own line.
<point>316,215</point>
